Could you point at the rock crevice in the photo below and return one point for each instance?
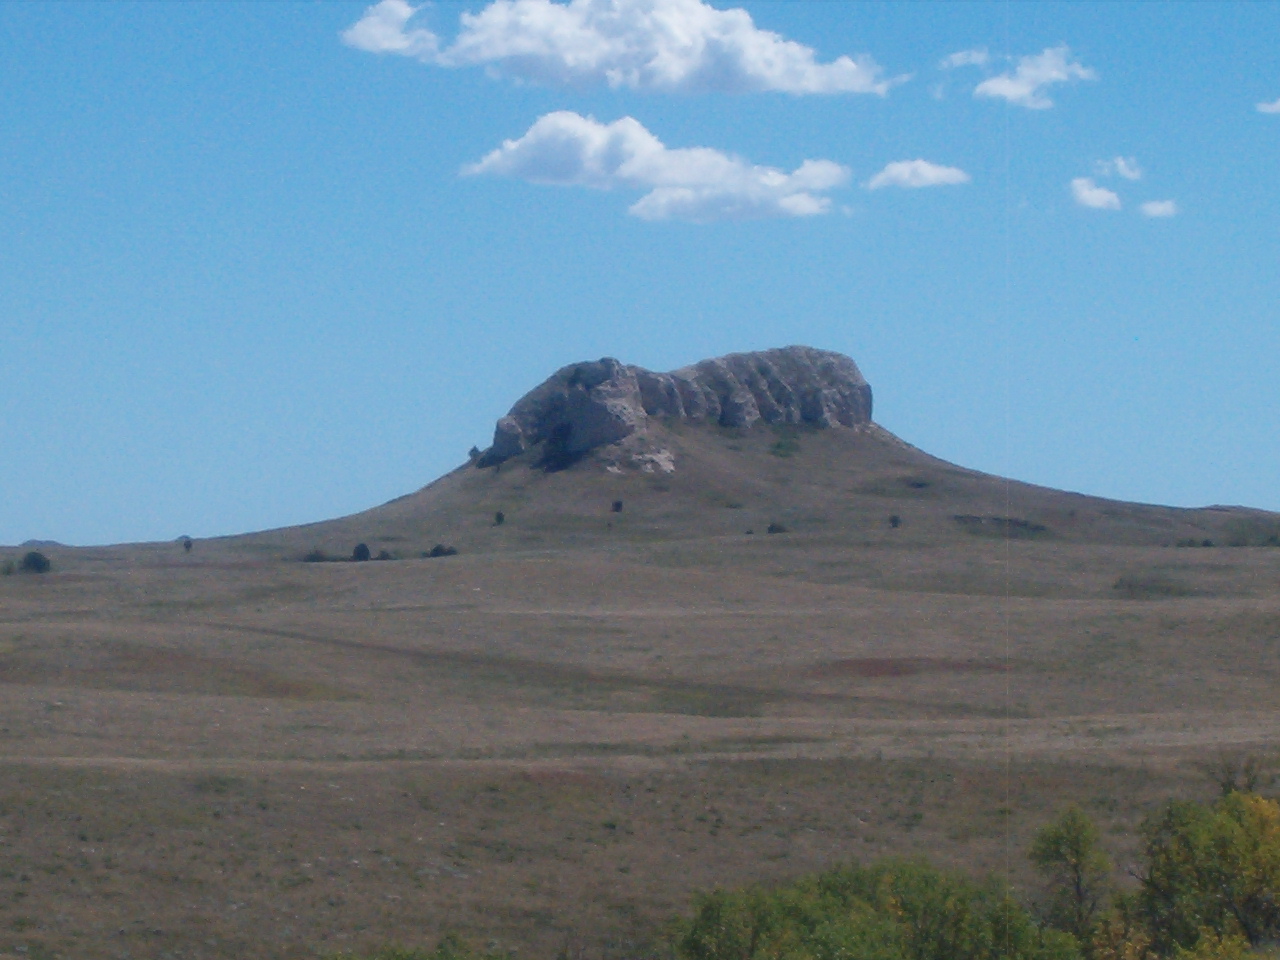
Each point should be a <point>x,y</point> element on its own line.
<point>598,403</point>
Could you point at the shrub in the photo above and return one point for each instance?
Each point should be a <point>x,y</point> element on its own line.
<point>384,555</point>
<point>616,507</point>
<point>894,910</point>
<point>8,568</point>
<point>316,556</point>
<point>35,562</point>
<point>499,518</point>
<point>895,521</point>
<point>776,528</point>
<point>440,550</point>
<point>360,553</point>
<point>1236,774</point>
<point>786,447</point>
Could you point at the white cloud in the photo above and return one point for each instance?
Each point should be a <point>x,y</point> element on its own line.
<point>1026,85</point>
<point>1273,107</point>
<point>697,184</point>
<point>1159,208</point>
<point>1089,194</point>
<point>382,30</point>
<point>669,45</point>
<point>916,173</point>
<point>1126,167</point>
<point>977,57</point>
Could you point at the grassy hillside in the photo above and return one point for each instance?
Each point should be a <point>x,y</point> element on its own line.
<point>555,736</point>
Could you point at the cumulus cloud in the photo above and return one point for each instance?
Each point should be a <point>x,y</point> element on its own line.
<point>1089,194</point>
<point>1126,167</point>
<point>1272,107</point>
<point>667,45</point>
<point>916,173</point>
<point>977,57</point>
<point>1026,85</point>
<point>1159,208</point>
<point>382,30</point>
<point>697,183</point>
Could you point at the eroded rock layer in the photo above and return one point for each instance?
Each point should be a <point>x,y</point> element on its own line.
<point>597,403</point>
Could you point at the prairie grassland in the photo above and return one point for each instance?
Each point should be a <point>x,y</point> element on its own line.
<point>553,744</point>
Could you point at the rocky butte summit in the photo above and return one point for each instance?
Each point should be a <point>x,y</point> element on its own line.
<point>609,406</point>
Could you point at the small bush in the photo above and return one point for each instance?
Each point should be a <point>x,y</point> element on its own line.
<point>776,528</point>
<point>499,518</point>
<point>360,553</point>
<point>35,562</point>
<point>440,550</point>
<point>384,555</point>
<point>316,556</point>
<point>616,507</point>
<point>895,521</point>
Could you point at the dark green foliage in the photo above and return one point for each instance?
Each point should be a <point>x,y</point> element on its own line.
<point>616,507</point>
<point>776,528</point>
<point>786,447</point>
<point>35,562</point>
<point>499,518</point>
<point>360,553</point>
<point>316,556</point>
<point>384,555</point>
<point>440,550</point>
<point>894,910</point>
<point>895,521</point>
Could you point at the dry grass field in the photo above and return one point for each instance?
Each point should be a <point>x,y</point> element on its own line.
<point>552,739</point>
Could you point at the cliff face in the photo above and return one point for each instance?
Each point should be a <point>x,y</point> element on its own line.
<point>596,404</point>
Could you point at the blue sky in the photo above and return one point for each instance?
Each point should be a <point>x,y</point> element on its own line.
<point>266,263</point>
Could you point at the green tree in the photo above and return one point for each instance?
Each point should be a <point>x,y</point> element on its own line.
<point>35,562</point>
<point>1212,870</point>
<point>1076,870</point>
<point>894,910</point>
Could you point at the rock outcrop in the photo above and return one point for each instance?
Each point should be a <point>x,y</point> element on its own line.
<point>600,403</point>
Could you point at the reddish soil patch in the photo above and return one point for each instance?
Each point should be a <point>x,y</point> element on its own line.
<point>903,667</point>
